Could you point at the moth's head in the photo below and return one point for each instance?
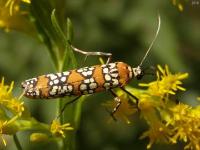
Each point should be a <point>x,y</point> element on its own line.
<point>138,72</point>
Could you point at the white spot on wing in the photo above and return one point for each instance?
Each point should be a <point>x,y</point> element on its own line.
<point>52,76</point>
<point>113,70</point>
<point>70,88</point>
<point>37,92</point>
<point>107,85</point>
<point>84,74</point>
<point>91,79</point>
<point>114,75</point>
<point>56,81</point>
<point>85,69</point>
<point>107,77</point>
<point>54,90</point>
<point>51,83</point>
<point>115,82</point>
<point>63,79</point>
<point>105,70</point>
<point>90,91</point>
<point>83,87</point>
<point>65,88</point>
<point>89,72</point>
<point>30,86</point>
<point>80,70</point>
<point>55,87</point>
<point>66,73</point>
<point>93,85</point>
<point>59,74</point>
<point>91,68</point>
<point>87,81</point>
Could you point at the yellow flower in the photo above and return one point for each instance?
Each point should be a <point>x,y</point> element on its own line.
<point>12,17</point>
<point>166,83</point>
<point>185,124</point>
<point>169,122</point>
<point>12,104</point>
<point>15,106</point>
<point>125,110</point>
<point>156,107</point>
<point>158,133</point>
<point>59,130</point>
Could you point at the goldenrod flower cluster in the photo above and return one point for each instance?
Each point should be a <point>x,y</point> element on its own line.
<point>169,121</point>
<point>15,117</point>
<point>10,104</point>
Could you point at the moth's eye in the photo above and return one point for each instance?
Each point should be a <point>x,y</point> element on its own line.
<point>139,76</point>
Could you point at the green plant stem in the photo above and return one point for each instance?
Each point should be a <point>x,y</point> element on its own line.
<point>66,60</point>
<point>77,114</point>
<point>60,106</point>
<point>18,145</point>
<point>60,102</point>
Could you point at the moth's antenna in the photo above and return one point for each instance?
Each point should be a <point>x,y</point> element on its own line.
<point>158,29</point>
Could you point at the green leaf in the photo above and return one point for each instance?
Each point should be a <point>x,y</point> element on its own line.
<point>66,56</point>
<point>61,38</point>
<point>70,33</point>
<point>41,11</point>
<point>69,58</point>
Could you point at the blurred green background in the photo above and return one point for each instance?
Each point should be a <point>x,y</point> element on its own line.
<point>124,28</point>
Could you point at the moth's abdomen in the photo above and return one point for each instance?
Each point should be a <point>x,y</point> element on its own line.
<point>48,86</point>
<point>81,81</point>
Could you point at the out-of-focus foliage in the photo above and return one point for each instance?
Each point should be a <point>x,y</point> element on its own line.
<point>124,28</point>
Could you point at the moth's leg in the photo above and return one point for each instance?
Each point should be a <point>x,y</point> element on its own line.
<point>108,55</point>
<point>136,99</point>
<point>66,104</point>
<point>118,101</point>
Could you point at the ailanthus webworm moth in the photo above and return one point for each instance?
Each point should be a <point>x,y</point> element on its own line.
<point>86,80</point>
